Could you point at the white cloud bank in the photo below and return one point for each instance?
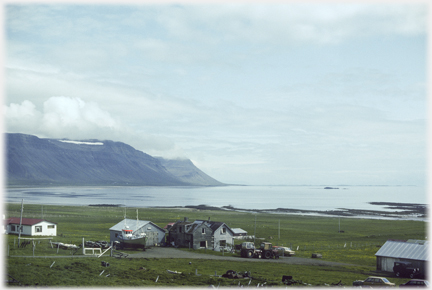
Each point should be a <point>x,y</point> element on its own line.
<point>73,118</point>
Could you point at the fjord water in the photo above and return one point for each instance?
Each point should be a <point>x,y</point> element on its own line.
<point>246,197</point>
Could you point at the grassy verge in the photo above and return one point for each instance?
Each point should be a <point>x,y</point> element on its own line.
<point>305,234</point>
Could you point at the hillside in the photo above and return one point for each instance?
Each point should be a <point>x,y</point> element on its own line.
<point>33,161</point>
<point>186,171</point>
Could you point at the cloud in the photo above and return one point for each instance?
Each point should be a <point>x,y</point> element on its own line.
<point>73,118</point>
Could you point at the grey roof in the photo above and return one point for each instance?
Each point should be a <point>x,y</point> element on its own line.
<point>404,250</point>
<point>195,225</point>
<point>239,231</point>
<point>132,224</point>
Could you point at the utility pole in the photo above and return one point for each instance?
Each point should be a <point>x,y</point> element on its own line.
<point>20,228</point>
<point>279,230</point>
<point>255,230</point>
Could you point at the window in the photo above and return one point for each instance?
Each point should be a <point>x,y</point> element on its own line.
<point>38,229</point>
<point>13,228</point>
<point>203,244</point>
<point>223,231</point>
<point>180,229</point>
<point>203,230</point>
<point>222,243</point>
<point>51,226</point>
<point>116,235</point>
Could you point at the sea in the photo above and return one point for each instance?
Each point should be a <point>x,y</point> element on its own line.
<point>316,198</point>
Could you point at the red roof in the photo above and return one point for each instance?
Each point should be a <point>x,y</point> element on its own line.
<point>25,221</point>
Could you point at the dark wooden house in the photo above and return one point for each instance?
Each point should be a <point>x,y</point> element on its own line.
<point>201,234</point>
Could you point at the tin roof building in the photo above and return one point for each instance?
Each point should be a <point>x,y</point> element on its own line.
<point>414,251</point>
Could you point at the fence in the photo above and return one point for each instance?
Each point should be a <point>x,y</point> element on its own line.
<point>45,247</point>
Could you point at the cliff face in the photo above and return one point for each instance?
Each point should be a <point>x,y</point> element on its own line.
<point>34,161</point>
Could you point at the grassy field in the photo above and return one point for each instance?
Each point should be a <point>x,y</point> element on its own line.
<point>357,245</point>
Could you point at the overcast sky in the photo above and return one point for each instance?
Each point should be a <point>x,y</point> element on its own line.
<point>252,93</point>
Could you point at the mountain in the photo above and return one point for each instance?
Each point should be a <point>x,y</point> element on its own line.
<point>33,161</point>
<point>186,171</point>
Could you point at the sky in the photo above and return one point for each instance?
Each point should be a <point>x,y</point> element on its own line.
<point>319,93</point>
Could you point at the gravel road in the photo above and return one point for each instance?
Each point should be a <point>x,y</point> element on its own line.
<point>162,252</point>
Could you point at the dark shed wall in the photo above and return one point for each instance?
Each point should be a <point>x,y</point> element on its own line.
<point>198,236</point>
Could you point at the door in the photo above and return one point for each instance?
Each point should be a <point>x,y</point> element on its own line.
<point>152,238</point>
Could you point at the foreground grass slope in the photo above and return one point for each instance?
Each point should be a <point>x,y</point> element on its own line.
<point>305,234</point>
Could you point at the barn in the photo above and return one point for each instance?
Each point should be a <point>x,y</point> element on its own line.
<point>30,227</point>
<point>414,251</point>
<point>155,234</point>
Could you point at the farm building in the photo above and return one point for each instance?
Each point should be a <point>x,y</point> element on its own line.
<point>155,234</point>
<point>238,232</point>
<point>31,227</point>
<point>413,251</point>
<point>201,234</point>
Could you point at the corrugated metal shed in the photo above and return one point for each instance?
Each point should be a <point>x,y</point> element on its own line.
<point>404,250</point>
<point>132,224</point>
<point>155,234</point>
<point>239,231</point>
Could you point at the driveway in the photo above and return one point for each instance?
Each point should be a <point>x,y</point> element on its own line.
<point>168,252</point>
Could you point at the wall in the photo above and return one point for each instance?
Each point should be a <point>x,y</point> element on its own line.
<point>227,236</point>
<point>199,237</point>
<point>31,230</point>
<point>386,264</point>
<point>45,230</point>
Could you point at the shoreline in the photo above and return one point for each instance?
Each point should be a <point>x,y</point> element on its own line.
<point>396,211</point>
<point>401,211</point>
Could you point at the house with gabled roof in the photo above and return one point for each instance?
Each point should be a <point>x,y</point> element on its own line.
<point>155,234</point>
<point>30,227</point>
<point>201,234</point>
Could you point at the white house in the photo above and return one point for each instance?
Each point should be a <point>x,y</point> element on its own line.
<point>155,234</point>
<point>31,227</point>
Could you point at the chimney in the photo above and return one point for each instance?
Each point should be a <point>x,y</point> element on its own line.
<point>186,219</point>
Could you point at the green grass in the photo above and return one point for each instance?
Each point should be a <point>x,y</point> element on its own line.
<point>305,234</point>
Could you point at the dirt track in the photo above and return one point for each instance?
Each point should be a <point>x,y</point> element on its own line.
<point>162,252</point>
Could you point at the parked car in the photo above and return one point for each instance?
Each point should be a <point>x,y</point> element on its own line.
<point>285,250</point>
<point>405,269</point>
<point>416,283</point>
<point>374,282</point>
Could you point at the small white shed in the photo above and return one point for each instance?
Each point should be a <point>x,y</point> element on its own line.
<point>31,227</point>
<point>155,234</point>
